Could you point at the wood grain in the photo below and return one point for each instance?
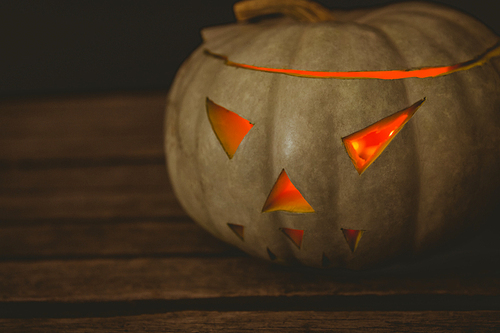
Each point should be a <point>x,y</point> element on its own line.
<point>87,192</point>
<point>149,176</point>
<point>98,126</point>
<point>111,239</point>
<point>56,151</point>
<point>188,278</point>
<point>84,157</point>
<point>259,321</point>
<point>83,116</point>
<point>89,204</point>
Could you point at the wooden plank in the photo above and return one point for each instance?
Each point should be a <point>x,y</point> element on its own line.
<point>263,321</point>
<point>30,151</point>
<point>148,176</point>
<point>81,116</point>
<point>82,126</point>
<point>195,278</point>
<point>104,239</point>
<point>87,192</point>
<point>89,204</point>
<point>84,157</point>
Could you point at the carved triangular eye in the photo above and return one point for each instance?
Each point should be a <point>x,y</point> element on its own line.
<point>285,196</point>
<point>229,128</point>
<point>366,145</point>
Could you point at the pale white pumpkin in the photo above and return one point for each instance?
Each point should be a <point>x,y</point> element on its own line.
<point>429,186</point>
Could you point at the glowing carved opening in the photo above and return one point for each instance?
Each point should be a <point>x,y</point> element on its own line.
<point>238,230</point>
<point>229,128</point>
<point>421,73</point>
<point>285,196</point>
<point>272,256</point>
<point>352,237</point>
<point>294,235</point>
<point>366,145</point>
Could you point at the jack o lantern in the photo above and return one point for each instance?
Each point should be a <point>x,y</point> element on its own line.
<point>338,139</point>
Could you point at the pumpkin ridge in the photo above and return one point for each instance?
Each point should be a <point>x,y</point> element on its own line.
<point>182,86</point>
<point>201,122</point>
<point>387,38</point>
<point>446,24</point>
<point>468,130</point>
<point>411,226</point>
<point>444,16</point>
<point>391,8</point>
<point>269,176</point>
<point>224,34</point>
<point>410,6</point>
<point>415,208</point>
<point>239,41</point>
<point>283,218</point>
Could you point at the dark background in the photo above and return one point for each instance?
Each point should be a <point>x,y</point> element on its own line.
<point>61,46</point>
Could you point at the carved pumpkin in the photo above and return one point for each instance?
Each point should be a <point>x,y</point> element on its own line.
<point>338,139</point>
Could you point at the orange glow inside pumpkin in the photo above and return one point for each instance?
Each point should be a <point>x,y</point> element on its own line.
<point>352,237</point>
<point>294,235</point>
<point>229,128</point>
<point>285,196</point>
<point>425,72</point>
<point>367,144</point>
<point>382,75</point>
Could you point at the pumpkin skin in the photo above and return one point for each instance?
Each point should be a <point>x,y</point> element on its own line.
<point>431,185</point>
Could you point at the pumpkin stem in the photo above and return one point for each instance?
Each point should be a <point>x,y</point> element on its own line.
<point>301,10</point>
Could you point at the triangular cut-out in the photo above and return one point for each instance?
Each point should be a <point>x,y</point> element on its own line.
<point>294,235</point>
<point>352,237</point>
<point>367,144</point>
<point>229,128</point>
<point>239,230</point>
<point>272,256</point>
<point>285,196</point>
<point>325,261</point>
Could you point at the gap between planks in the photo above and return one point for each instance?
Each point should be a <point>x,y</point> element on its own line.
<point>251,303</point>
<point>271,321</point>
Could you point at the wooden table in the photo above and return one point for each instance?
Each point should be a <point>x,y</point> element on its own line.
<point>92,238</point>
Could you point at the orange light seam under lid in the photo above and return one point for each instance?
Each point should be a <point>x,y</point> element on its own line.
<point>425,72</point>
